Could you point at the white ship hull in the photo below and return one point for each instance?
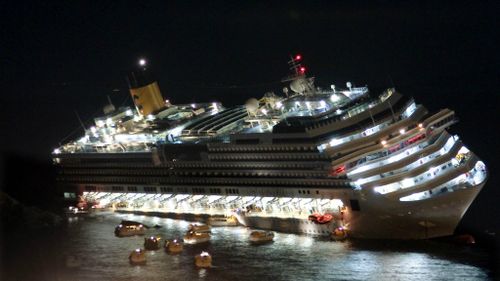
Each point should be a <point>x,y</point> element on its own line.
<point>435,217</point>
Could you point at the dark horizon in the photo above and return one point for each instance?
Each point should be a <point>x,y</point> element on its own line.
<point>63,57</point>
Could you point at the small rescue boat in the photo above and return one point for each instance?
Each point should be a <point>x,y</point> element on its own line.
<point>261,236</point>
<point>199,228</point>
<point>152,243</point>
<point>223,221</point>
<point>339,234</point>
<point>129,230</point>
<point>137,257</point>
<point>196,237</point>
<point>174,246</point>
<point>203,260</point>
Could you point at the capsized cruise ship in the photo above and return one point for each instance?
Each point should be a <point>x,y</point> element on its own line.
<point>307,160</point>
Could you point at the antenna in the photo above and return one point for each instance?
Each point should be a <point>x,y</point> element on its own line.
<point>295,65</point>
<point>109,100</point>
<point>80,120</point>
<point>392,111</point>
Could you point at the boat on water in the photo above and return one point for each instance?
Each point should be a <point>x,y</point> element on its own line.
<point>204,259</point>
<point>152,243</point>
<point>137,257</point>
<point>76,211</point>
<point>199,228</point>
<point>129,230</point>
<point>223,221</point>
<point>339,234</point>
<point>174,246</point>
<point>258,236</point>
<point>192,237</point>
<point>380,164</point>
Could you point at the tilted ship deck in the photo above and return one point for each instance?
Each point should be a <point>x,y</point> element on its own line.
<point>379,166</point>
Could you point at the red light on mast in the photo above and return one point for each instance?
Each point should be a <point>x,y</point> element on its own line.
<point>298,57</point>
<point>302,69</point>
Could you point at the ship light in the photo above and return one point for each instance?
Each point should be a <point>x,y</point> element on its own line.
<point>407,183</point>
<point>93,130</point>
<point>322,104</point>
<point>279,105</point>
<point>193,105</point>
<point>151,117</point>
<point>264,111</point>
<point>109,122</point>
<point>214,105</point>
<point>402,131</point>
<point>383,142</point>
<point>142,62</point>
<point>298,57</point>
<point>137,118</point>
<point>99,123</point>
<point>334,98</point>
<point>421,126</point>
<point>129,112</point>
<point>463,150</point>
<point>432,170</point>
<point>335,142</point>
<point>57,151</point>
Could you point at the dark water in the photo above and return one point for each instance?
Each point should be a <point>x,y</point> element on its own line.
<point>103,256</point>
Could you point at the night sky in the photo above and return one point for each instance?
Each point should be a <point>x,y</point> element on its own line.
<point>66,56</point>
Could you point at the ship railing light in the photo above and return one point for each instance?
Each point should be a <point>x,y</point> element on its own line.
<point>265,200</point>
<point>213,198</point>
<point>231,198</point>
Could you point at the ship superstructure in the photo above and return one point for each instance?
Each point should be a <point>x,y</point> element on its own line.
<point>380,166</point>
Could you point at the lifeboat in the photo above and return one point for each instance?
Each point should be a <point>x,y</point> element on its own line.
<point>152,243</point>
<point>204,259</point>
<point>137,257</point>
<point>326,218</point>
<point>223,221</point>
<point>174,246</point>
<point>339,234</point>
<point>129,230</point>
<point>199,228</point>
<point>314,217</point>
<point>193,237</point>
<point>320,219</point>
<point>261,236</point>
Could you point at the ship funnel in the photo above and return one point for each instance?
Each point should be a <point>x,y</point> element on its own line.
<point>145,91</point>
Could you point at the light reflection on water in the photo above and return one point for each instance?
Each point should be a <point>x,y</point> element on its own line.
<point>290,257</point>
